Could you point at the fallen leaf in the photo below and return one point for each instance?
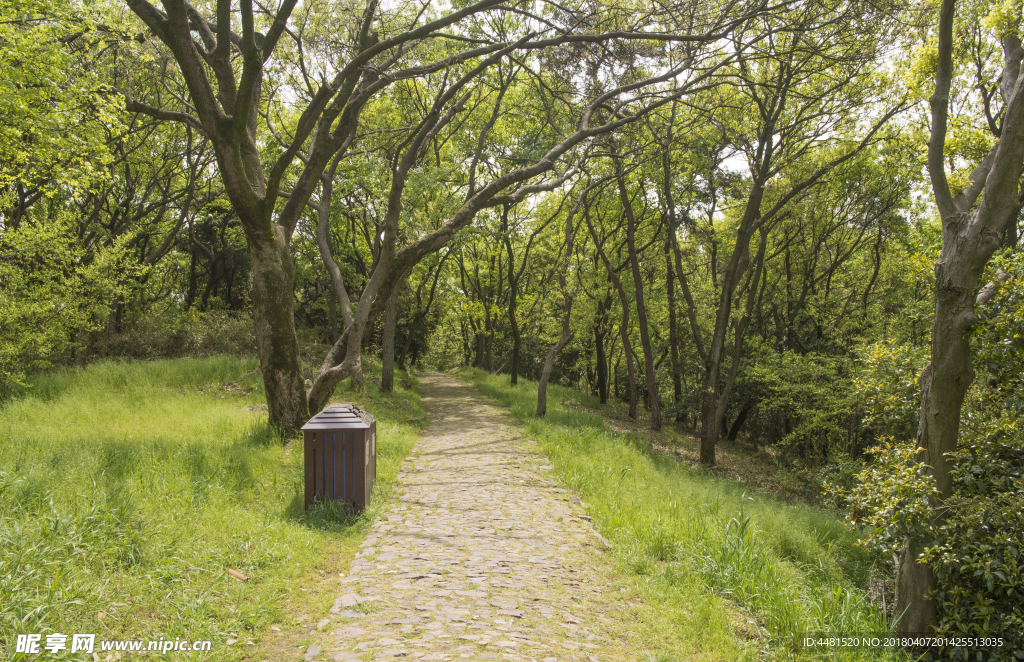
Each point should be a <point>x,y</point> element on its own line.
<point>237,575</point>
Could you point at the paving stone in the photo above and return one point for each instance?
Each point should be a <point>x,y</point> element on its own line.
<point>478,550</point>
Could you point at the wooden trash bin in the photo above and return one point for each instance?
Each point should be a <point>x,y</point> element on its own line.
<point>340,456</point>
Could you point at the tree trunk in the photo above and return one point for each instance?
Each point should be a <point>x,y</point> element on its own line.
<point>615,375</point>
<point>514,323</point>
<point>190,295</point>
<point>673,336</point>
<point>516,348</point>
<point>602,365</point>
<point>489,340</point>
<point>739,327</point>
<point>513,295</point>
<point>332,316</point>
<point>387,373</point>
<point>641,308</point>
<point>405,350</point>
<point>114,319</point>
<point>478,358</point>
<point>738,263</point>
<point>273,277</point>
<point>634,393</point>
<point>211,283</point>
<point>737,425</point>
<point>970,234</point>
<point>549,363</point>
<point>467,350</point>
<point>624,329</point>
<point>567,333</point>
<point>339,294</point>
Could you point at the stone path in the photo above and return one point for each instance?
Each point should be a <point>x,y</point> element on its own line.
<point>479,557</point>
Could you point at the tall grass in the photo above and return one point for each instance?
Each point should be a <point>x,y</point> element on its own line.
<point>698,537</point>
<point>128,490</point>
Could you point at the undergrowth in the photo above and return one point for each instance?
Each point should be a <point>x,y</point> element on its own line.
<point>697,538</point>
<point>128,490</point>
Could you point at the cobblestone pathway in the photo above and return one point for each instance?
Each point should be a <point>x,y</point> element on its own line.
<point>480,556</point>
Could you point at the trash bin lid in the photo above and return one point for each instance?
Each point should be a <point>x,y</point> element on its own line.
<point>339,417</point>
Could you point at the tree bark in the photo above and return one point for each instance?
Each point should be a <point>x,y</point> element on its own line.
<point>332,318</point>
<point>489,341</point>
<point>478,358</point>
<point>190,295</point>
<point>737,425</point>
<point>339,298</point>
<point>970,234</point>
<point>549,363</point>
<point>273,290</point>
<point>739,328</point>
<point>624,328</point>
<point>567,333</point>
<point>387,373</point>
<point>641,308</point>
<point>602,363</point>
<point>673,335</point>
<point>711,396</point>
<point>670,245</point>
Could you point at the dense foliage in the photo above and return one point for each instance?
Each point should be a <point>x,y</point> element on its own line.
<point>720,215</point>
<point>976,550</point>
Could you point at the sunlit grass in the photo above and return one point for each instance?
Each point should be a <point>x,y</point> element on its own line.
<point>699,539</point>
<point>128,490</point>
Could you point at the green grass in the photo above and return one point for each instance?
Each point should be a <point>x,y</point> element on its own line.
<point>127,491</point>
<point>697,539</point>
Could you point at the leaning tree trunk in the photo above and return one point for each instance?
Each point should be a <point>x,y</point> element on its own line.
<point>673,335</point>
<point>567,333</point>
<point>739,328</point>
<point>387,373</point>
<point>549,363</point>
<point>712,399</point>
<point>624,329</point>
<point>970,234</point>
<point>273,276</point>
<point>641,308</point>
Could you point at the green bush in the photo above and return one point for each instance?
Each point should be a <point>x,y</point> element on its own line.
<point>977,554</point>
<point>51,291</point>
<point>803,408</point>
<point>173,334</point>
<point>886,387</point>
<point>974,542</point>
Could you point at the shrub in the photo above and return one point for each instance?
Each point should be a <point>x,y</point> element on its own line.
<point>977,553</point>
<point>974,543</point>
<point>803,409</point>
<point>51,290</point>
<point>172,334</point>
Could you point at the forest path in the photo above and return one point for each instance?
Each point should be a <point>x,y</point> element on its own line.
<point>480,556</point>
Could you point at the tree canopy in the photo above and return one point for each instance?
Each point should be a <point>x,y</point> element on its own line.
<point>765,222</point>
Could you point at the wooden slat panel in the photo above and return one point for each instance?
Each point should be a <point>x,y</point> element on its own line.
<point>318,465</point>
<point>307,446</point>
<point>341,457</point>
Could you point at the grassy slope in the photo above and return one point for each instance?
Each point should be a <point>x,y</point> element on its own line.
<point>127,490</point>
<point>696,538</point>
